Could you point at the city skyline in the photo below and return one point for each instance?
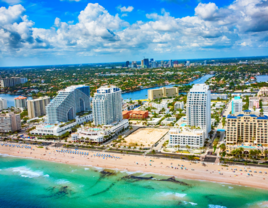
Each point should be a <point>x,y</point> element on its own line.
<point>73,32</point>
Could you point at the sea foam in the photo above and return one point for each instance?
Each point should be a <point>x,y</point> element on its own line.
<point>28,173</point>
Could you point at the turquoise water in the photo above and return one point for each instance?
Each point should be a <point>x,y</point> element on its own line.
<point>30,183</point>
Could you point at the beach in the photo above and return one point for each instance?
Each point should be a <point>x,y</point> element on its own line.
<point>148,164</point>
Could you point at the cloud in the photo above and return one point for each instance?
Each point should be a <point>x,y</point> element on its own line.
<point>206,11</point>
<point>241,24</point>
<point>125,9</point>
<point>11,2</point>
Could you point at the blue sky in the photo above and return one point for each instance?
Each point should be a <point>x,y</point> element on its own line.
<point>78,31</point>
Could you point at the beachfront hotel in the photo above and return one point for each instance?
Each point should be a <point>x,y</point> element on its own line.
<point>68,103</point>
<point>247,128</point>
<point>193,129</point>
<point>10,122</point>
<point>100,134</point>
<point>163,92</point>
<point>107,105</point>
<point>198,110</point>
<point>194,138</point>
<point>37,107</point>
<point>60,129</point>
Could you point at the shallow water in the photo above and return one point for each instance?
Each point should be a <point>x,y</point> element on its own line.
<point>34,183</point>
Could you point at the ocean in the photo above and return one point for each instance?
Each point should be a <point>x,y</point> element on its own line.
<point>34,183</point>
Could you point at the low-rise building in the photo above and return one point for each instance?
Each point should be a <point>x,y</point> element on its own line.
<point>10,122</point>
<point>154,121</point>
<point>194,138</point>
<point>179,105</point>
<point>61,128</point>
<point>263,92</point>
<point>103,133</point>
<point>168,120</point>
<point>135,114</point>
<point>220,96</point>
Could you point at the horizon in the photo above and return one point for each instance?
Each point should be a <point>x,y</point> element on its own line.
<point>63,32</point>
<point>107,63</point>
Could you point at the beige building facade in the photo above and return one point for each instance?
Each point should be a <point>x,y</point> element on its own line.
<point>37,107</point>
<point>163,92</point>
<point>246,128</point>
<point>263,92</point>
<point>10,122</point>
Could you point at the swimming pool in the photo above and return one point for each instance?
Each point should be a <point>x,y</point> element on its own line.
<point>49,126</point>
<point>184,124</point>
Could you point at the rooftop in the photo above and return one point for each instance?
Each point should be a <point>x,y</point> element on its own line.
<point>20,98</point>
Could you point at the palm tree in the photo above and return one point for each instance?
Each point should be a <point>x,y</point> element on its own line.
<point>188,147</point>
<point>223,147</point>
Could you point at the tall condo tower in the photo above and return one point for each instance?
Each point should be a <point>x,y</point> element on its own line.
<point>68,103</point>
<point>198,107</point>
<point>107,105</point>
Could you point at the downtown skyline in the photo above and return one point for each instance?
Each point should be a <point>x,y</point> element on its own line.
<point>73,32</point>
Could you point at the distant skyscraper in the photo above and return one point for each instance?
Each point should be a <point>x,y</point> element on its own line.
<point>127,63</point>
<point>237,105</point>
<point>198,107</point>
<point>153,64</point>
<point>205,63</point>
<point>107,105</point>
<point>67,103</point>
<point>37,107</point>
<point>21,102</point>
<point>145,62</point>
<point>134,64</point>
<point>3,104</point>
<point>187,63</point>
<point>170,63</point>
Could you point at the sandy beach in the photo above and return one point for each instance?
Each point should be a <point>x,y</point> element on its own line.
<point>150,164</point>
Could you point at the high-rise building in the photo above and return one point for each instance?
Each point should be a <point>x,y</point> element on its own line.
<point>145,63</point>
<point>247,128</point>
<point>127,63</point>
<point>3,104</point>
<point>170,63</point>
<point>68,103</point>
<point>237,105</point>
<point>187,63</point>
<point>134,64</point>
<point>21,102</point>
<point>11,82</point>
<point>107,105</point>
<point>198,110</point>
<point>37,107</point>
<point>10,122</point>
<point>153,64</point>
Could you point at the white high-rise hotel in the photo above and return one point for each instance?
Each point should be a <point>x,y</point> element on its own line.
<point>107,105</point>
<point>198,110</point>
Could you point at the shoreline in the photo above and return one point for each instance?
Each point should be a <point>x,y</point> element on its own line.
<point>148,165</point>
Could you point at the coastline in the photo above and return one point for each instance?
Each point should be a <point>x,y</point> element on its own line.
<point>148,165</point>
